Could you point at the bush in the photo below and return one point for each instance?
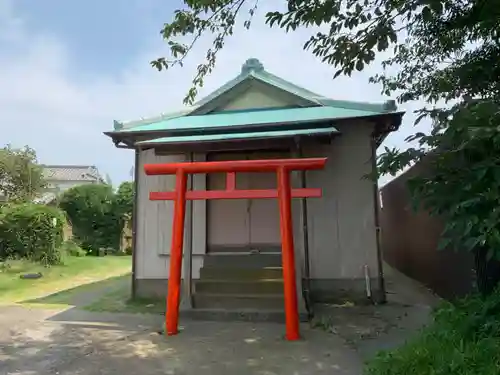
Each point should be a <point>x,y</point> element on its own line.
<point>128,250</point>
<point>124,199</point>
<point>72,249</point>
<point>97,215</point>
<point>28,231</point>
<point>95,221</point>
<point>463,339</point>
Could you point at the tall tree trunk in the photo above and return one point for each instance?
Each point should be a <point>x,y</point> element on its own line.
<point>487,272</point>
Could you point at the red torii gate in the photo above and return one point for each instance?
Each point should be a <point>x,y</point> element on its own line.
<point>284,193</point>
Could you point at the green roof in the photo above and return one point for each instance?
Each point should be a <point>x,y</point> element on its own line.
<point>240,136</point>
<point>253,70</point>
<point>313,111</point>
<point>250,118</point>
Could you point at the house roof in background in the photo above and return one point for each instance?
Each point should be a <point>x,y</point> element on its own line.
<point>72,173</point>
<point>45,198</point>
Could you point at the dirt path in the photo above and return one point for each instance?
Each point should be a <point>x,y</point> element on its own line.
<point>72,341</point>
<point>369,329</point>
<point>75,342</point>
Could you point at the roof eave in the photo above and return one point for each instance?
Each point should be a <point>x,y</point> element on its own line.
<point>239,128</point>
<point>384,128</point>
<point>128,140</point>
<point>239,145</point>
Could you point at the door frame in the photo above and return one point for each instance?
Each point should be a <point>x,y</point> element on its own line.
<point>244,248</point>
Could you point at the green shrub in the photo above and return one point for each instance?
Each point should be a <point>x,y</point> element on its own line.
<point>101,252</point>
<point>111,251</point>
<point>97,214</point>
<point>72,249</point>
<point>124,199</point>
<point>463,339</point>
<point>94,218</point>
<point>31,231</point>
<point>51,257</point>
<point>128,250</point>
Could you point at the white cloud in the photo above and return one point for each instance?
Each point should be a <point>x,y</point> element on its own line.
<point>43,105</point>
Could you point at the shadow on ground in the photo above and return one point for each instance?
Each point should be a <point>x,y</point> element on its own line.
<point>127,347</point>
<point>39,347</point>
<point>103,304</point>
<point>85,294</point>
<point>74,341</point>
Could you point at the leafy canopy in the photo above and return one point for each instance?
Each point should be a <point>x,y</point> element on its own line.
<point>91,210</point>
<point>443,52</point>
<point>31,231</point>
<point>97,213</point>
<point>21,177</point>
<point>124,199</point>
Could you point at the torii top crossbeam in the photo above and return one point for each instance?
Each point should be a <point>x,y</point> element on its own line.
<point>236,166</point>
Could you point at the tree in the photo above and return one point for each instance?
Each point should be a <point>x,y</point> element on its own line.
<point>124,205</point>
<point>445,52</point>
<point>21,177</point>
<point>124,199</point>
<point>91,210</point>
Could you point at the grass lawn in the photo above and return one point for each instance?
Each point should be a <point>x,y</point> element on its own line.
<point>119,301</point>
<point>60,283</point>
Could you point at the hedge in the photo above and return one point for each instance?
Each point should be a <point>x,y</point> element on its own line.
<point>97,215</point>
<point>31,231</point>
<point>91,209</point>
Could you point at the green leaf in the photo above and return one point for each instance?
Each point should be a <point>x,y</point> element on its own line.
<point>426,14</point>
<point>490,254</point>
<point>359,65</point>
<point>444,243</point>
<point>471,243</point>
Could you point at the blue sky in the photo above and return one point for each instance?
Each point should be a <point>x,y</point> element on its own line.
<point>69,68</point>
<point>100,36</point>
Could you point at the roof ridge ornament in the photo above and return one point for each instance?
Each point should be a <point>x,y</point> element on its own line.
<point>390,106</point>
<point>117,125</point>
<point>252,65</point>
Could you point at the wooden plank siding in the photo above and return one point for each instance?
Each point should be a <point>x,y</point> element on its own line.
<point>154,224</point>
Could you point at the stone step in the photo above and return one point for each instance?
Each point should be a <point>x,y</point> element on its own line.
<point>242,260</point>
<point>236,273</point>
<point>246,315</point>
<point>238,301</point>
<point>264,286</point>
<point>262,248</point>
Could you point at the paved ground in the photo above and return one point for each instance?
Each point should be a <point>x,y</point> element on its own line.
<point>71,342</point>
<point>369,329</point>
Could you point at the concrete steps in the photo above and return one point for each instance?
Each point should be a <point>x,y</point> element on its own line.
<point>240,286</point>
<point>238,301</point>
<point>245,315</point>
<point>243,287</point>
<point>242,260</point>
<point>236,273</point>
